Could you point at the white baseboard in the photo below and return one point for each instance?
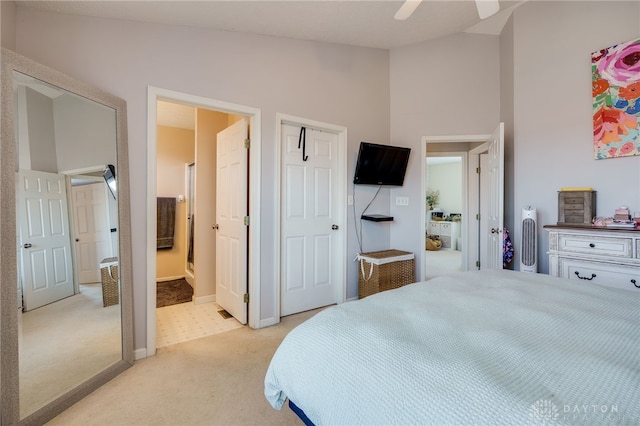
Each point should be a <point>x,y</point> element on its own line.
<point>139,354</point>
<point>163,279</point>
<point>204,299</point>
<point>351,299</point>
<point>268,322</point>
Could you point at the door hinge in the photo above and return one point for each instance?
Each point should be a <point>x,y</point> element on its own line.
<point>247,143</point>
<point>478,170</point>
<point>478,216</point>
<point>477,263</point>
<point>246,298</point>
<point>246,221</point>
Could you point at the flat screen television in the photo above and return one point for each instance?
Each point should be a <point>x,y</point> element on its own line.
<point>381,164</point>
<point>109,175</point>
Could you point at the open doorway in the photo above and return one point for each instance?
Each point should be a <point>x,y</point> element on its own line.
<point>466,227</point>
<point>194,191</point>
<point>446,193</point>
<point>190,154</point>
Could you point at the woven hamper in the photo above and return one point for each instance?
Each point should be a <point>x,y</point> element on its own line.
<point>109,275</point>
<point>384,270</point>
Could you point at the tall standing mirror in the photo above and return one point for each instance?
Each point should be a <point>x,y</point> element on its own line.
<point>65,299</point>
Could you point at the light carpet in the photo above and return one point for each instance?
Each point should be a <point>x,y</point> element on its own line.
<point>65,343</point>
<point>442,262</point>
<point>216,380</point>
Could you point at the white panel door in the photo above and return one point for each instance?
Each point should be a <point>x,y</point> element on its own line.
<point>483,227</point>
<point>496,198</point>
<point>311,254</point>
<point>231,210</point>
<point>92,232</point>
<point>44,242</point>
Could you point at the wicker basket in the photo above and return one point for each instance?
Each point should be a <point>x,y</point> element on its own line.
<point>109,274</point>
<point>384,270</point>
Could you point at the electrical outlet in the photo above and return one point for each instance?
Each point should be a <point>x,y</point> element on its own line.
<point>402,201</point>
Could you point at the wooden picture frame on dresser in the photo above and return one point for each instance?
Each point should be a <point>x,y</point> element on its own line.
<point>604,256</point>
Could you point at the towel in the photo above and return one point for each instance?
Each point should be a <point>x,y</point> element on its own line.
<point>166,222</point>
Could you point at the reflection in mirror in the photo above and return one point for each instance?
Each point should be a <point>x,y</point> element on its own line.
<point>109,175</point>
<point>65,311</point>
<point>72,259</point>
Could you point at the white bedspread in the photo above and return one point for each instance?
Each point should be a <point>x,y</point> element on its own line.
<point>497,347</point>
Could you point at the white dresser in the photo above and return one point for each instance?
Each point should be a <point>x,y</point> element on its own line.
<point>447,231</point>
<point>602,256</point>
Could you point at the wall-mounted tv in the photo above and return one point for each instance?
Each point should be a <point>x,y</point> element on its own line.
<point>109,175</point>
<point>381,164</point>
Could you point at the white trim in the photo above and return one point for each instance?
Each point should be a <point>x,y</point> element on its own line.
<point>267,322</point>
<point>341,189</point>
<point>140,354</point>
<point>154,94</point>
<point>204,299</point>
<point>465,202</point>
<point>84,170</point>
<point>455,139</point>
<point>480,149</point>
<point>164,279</point>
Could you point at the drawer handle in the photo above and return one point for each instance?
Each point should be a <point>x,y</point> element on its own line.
<point>585,278</point>
<point>635,283</point>
<point>592,245</point>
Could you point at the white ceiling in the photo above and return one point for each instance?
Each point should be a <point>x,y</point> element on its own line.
<point>176,115</point>
<point>364,23</point>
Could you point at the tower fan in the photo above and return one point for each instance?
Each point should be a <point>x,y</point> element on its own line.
<point>529,246</point>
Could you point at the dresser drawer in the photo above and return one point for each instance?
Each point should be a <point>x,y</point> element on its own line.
<point>601,273</point>
<point>434,228</point>
<point>596,245</point>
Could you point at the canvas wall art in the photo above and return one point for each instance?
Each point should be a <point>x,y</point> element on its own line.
<point>616,100</point>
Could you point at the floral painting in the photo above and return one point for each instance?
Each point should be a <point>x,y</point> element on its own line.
<point>616,100</point>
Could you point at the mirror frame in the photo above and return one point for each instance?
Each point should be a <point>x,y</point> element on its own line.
<point>9,356</point>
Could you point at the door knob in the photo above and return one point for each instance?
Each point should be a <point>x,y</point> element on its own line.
<point>27,245</point>
<point>495,231</point>
<point>334,227</point>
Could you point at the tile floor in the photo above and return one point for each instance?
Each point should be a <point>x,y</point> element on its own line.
<point>188,321</point>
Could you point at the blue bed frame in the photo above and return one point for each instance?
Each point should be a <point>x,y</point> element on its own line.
<point>300,414</point>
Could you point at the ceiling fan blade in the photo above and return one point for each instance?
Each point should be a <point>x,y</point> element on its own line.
<point>487,8</point>
<point>407,9</point>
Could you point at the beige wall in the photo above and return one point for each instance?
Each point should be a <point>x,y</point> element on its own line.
<point>176,147</point>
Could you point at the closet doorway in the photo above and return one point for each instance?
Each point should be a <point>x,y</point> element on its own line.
<point>185,160</point>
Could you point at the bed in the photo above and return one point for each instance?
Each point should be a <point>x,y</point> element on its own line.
<point>486,347</point>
